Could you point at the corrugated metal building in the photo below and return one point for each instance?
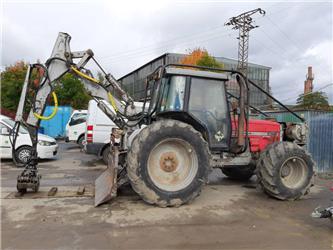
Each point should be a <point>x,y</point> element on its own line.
<point>134,82</point>
<point>320,143</point>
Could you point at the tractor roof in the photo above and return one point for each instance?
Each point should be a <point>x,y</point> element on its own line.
<point>196,72</point>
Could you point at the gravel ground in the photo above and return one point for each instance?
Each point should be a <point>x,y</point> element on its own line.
<point>227,214</point>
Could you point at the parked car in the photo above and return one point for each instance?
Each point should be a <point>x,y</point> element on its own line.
<point>98,130</point>
<point>76,127</point>
<point>46,148</point>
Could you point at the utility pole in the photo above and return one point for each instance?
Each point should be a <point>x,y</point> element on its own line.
<point>244,23</point>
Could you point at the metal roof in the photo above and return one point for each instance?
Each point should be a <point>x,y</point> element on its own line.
<point>220,59</point>
<point>198,73</point>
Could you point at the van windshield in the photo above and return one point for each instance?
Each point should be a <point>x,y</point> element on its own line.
<point>11,124</point>
<point>78,118</point>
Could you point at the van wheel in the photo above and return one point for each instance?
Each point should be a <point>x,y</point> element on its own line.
<point>105,154</point>
<point>80,141</point>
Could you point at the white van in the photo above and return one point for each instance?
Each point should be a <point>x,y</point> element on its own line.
<point>76,127</point>
<point>46,148</point>
<point>98,130</point>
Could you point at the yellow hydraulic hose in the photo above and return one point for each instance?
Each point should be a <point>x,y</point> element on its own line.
<point>53,112</point>
<point>111,99</point>
<point>84,75</point>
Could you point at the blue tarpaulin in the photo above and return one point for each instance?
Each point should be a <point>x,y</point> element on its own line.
<point>57,125</point>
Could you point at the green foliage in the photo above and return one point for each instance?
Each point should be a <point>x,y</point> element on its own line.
<point>201,57</point>
<point>70,91</point>
<point>11,85</point>
<point>208,61</point>
<point>315,100</point>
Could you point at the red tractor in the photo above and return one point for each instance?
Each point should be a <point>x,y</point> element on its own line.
<point>189,123</point>
<point>192,126</point>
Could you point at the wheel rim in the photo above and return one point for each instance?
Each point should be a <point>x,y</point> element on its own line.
<point>24,155</point>
<point>172,164</point>
<point>293,172</point>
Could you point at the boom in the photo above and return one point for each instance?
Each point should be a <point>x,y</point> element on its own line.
<point>62,61</point>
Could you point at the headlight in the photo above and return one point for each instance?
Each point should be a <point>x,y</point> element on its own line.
<point>44,143</point>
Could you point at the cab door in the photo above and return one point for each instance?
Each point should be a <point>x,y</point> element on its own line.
<point>5,145</point>
<point>208,104</point>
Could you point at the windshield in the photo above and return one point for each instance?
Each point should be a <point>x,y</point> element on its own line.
<point>11,124</point>
<point>78,118</point>
<point>173,94</point>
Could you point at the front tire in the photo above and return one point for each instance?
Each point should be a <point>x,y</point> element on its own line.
<point>168,163</point>
<point>105,154</point>
<point>285,171</point>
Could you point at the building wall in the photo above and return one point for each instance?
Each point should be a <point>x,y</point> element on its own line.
<point>134,82</point>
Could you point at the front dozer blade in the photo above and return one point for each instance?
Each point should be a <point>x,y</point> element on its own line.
<point>106,183</point>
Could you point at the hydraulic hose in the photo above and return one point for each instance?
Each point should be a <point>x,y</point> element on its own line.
<point>89,78</point>
<point>54,112</point>
<point>112,101</point>
<point>84,75</point>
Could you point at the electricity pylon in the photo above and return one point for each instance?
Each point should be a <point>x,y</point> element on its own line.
<point>244,23</point>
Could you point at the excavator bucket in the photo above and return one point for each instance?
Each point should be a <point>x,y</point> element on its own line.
<point>106,183</point>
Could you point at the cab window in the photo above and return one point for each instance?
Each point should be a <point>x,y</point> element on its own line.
<point>173,94</point>
<point>209,105</point>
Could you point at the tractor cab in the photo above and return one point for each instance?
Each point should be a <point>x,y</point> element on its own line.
<point>197,97</point>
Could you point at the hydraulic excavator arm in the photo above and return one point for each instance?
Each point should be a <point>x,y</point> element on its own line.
<point>62,61</point>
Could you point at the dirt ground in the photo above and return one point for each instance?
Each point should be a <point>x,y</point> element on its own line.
<point>227,215</point>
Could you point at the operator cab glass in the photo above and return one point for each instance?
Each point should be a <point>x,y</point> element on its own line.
<point>201,98</point>
<point>173,94</point>
<point>208,104</point>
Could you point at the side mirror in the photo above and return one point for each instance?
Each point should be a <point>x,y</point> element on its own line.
<point>5,131</point>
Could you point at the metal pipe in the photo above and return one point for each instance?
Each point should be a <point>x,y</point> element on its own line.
<point>270,96</point>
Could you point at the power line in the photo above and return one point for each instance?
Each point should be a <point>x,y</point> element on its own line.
<point>153,51</point>
<point>152,46</point>
<point>318,90</point>
<point>144,51</point>
<point>283,33</point>
<point>295,97</point>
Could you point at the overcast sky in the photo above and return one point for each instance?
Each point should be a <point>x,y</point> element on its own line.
<point>126,34</point>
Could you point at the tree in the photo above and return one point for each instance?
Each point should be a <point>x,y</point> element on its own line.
<point>315,100</point>
<point>201,57</point>
<point>70,91</point>
<point>12,79</point>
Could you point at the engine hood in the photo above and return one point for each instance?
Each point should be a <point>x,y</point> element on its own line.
<point>45,138</point>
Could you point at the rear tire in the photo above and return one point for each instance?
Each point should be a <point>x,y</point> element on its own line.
<point>105,154</point>
<point>285,171</point>
<point>80,141</point>
<point>168,163</point>
<point>239,173</point>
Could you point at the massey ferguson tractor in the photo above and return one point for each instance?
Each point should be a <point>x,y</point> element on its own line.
<point>187,125</point>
